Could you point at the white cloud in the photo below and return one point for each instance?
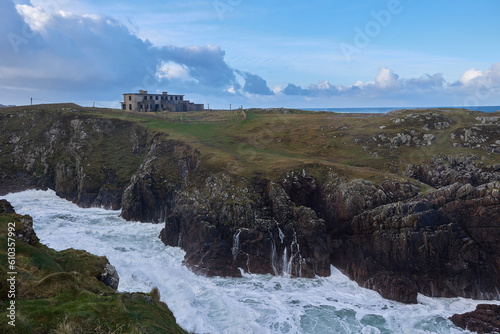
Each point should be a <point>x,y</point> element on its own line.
<point>171,70</point>
<point>278,90</point>
<point>477,79</point>
<point>35,17</point>
<point>470,75</point>
<point>387,79</point>
<point>324,85</point>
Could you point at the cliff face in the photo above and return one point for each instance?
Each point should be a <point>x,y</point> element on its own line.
<point>441,244</point>
<point>383,236</point>
<point>231,222</point>
<point>79,156</point>
<point>386,235</point>
<point>151,193</point>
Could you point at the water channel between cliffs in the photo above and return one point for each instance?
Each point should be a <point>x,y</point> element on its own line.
<point>251,304</point>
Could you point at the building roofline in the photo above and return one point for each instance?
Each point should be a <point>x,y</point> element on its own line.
<point>153,94</point>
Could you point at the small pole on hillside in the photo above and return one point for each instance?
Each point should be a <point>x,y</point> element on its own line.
<point>230,106</point>
<point>208,106</point>
<point>31,100</point>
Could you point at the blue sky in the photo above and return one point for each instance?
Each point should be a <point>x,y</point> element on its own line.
<point>319,53</point>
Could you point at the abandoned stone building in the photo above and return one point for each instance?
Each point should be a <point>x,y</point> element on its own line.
<point>143,101</point>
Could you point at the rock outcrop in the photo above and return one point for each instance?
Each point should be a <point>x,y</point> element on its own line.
<point>23,224</point>
<point>485,319</point>
<point>109,276</point>
<point>444,170</point>
<point>442,244</point>
<point>383,236</point>
<point>152,190</point>
<point>231,222</point>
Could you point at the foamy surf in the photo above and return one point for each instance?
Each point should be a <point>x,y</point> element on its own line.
<point>251,304</point>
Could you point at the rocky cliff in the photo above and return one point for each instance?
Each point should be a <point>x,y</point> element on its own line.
<point>79,156</point>
<point>380,228</point>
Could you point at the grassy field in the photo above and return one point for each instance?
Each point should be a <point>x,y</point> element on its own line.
<point>271,141</point>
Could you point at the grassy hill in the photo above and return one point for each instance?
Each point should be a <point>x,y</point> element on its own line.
<point>355,145</point>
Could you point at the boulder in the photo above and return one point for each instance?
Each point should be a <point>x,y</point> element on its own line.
<point>485,319</point>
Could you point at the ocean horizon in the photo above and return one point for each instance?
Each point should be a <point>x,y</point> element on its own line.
<point>383,110</point>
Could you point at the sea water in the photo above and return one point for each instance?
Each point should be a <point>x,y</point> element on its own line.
<point>383,110</point>
<point>251,304</point>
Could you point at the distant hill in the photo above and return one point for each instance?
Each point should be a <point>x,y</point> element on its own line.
<point>4,106</point>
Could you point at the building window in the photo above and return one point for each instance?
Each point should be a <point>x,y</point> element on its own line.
<point>156,98</point>
<point>124,106</point>
<point>181,98</point>
<point>130,97</point>
<point>129,107</point>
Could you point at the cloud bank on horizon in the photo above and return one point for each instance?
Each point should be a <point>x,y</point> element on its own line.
<point>56,55</point>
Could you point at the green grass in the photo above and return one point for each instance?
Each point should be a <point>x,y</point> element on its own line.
<point>273,141</point>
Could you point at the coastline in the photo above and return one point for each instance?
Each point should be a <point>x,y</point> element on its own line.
<point>384,110</point>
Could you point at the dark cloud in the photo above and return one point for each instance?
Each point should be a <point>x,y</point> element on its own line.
<point>205,64</point>
<point>98,57</point>
<point>292,89</point>
<point>71,53</point>
<point>256,85</point>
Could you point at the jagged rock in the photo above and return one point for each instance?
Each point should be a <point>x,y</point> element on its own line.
<point>6,207</point>
<point>445,170</point>
<point>25,232</point>
<point>150,195</point>
<point>257,227</point>
<point>109,276</point>
<point>429,137</point>
<point>23,224</point>
<point>441,244</point>
<point>485,319</point>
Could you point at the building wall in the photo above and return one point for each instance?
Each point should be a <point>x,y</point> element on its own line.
<point>145,102</point>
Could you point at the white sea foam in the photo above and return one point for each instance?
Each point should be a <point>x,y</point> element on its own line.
<point>252,304</point>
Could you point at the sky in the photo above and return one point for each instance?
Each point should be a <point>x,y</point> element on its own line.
<point>295,54</point>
